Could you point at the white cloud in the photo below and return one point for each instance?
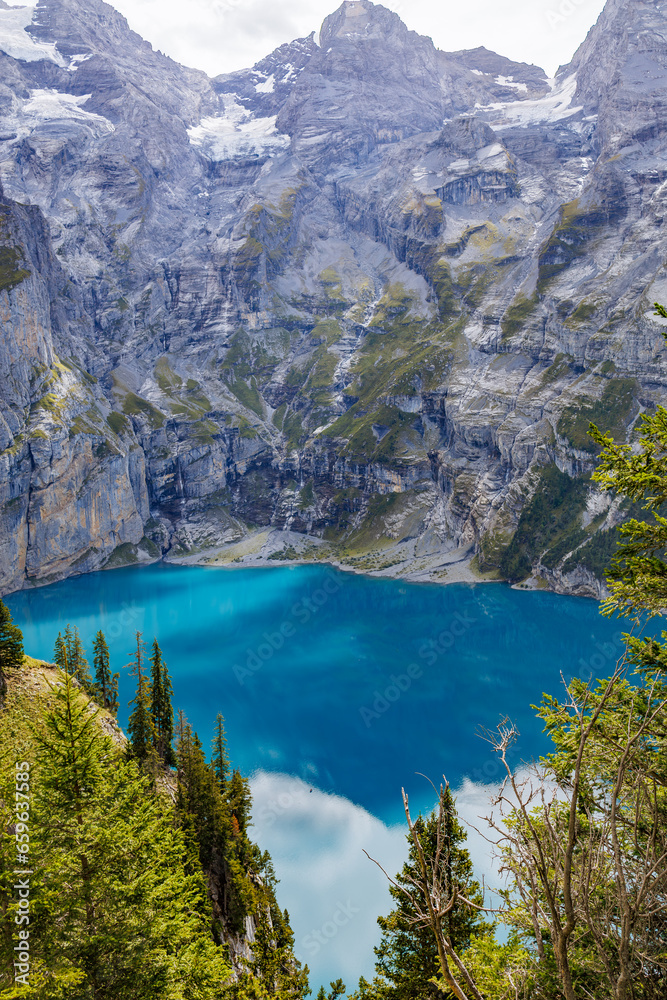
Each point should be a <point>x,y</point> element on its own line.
<point>333,893</point>
<point>219,36</point>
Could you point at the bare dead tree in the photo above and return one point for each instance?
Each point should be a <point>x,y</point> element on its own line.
<point>432,897</point>
<point>584,839</point>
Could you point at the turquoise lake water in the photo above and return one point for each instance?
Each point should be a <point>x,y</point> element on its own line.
<point>350,682</point>
<point>337,691</point>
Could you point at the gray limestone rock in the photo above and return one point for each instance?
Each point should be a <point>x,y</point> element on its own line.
<point>364,290</point>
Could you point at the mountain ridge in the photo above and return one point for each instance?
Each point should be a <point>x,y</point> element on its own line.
<point>360,294</point>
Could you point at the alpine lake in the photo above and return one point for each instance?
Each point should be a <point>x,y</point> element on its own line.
<point>339,690</point>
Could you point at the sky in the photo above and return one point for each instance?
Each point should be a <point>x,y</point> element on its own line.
<point>332,891</point>
<point>219,36</point>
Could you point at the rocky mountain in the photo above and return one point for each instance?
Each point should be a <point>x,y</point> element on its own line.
<point>359,302</point>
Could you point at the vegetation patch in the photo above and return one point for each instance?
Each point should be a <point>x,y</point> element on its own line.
<point>372,533</point>
<point>550,520</point>
<point>11,274</point>
<point>572,236</point>
<point>307,496</point>
<point>596,555</point>
<point>134,406</point>
<point>118,423</point>
<point>401,355</point>
<point>374,437</point>
<point>517,314</point>
<point>165,376</point>
<point>247,393</point>
<point>204,431</point>
<point>342,510</point>
<point>122,555</point>
<point>586,309</point>
<point>611,413</point>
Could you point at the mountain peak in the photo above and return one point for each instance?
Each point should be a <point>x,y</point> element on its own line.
<point>356,18</point>
<point>621,67</point>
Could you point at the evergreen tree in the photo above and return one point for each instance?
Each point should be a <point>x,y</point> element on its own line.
<point>69,655</point>
<point>240,802</point>
<point>116,915</point>
<point>220,756</point>
<point>637,579</point>
<point>78,661</point>
<point>407,956</point>
<point>140,726</point>
<point>337,990</point>
<point>11,646</point>
<point>162,712</point>
<point>106,683</point>
<point>200,804</point>
<point>60,653</point>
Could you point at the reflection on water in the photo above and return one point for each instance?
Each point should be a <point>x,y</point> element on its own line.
<point>351,683</point>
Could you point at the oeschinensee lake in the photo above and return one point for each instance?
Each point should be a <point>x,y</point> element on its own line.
<point>352,683</point>
<point>338,690</point>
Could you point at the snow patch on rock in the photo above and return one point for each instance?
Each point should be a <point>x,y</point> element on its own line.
<point>51,105</point>
<point>488,152</point>
<point>15,40</point>
<point>555,107</point>
<point>77,60</point>
<point>508,81</point>
<point>266,86</point>
<point>237,132</point>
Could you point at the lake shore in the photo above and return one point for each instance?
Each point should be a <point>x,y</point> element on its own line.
<point>265,547</point>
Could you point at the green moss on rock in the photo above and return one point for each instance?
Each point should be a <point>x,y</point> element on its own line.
<point>517,314</point>
<point>134,405</point>
<point>611,413</point>
<point>550,521</point>
<point>11,274</point>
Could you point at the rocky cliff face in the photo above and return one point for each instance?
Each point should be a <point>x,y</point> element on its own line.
<point>72,485</point>
<point>366,292</point>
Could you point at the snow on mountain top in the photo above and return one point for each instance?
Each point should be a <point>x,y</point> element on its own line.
<point>266,86</point>
<point>15,40</point>
<point>556,106</point>
<point>236,133</point>
<point>51,105</point>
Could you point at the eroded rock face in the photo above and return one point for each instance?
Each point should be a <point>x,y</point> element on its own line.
<point>71,490</point>
<point>365,290</point>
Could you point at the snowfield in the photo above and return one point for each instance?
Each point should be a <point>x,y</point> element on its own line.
<point>15,40</point>
<point>237,133</point>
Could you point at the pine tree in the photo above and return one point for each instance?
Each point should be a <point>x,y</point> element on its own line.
<point>140,724</point>
<point>220,756</point>
<point>337,990</point>
<point>200,803</point>
<point>407,957</point>
<point>69,655</point>
<point>239,800</point>
<point>11,646</point>
<point>60,653</point>
<point>162,712</point>
<point>106,683</point>
<point>116,914</point>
